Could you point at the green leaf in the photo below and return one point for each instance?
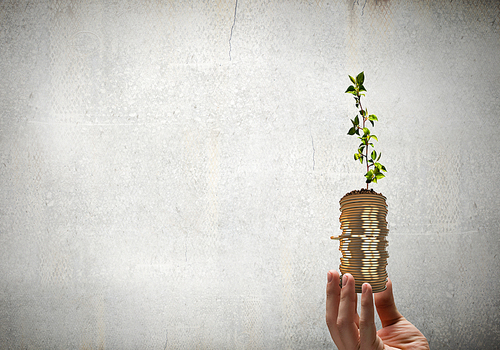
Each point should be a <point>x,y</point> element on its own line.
<point>374,155</point>
<point>379,176</point>
<point>360,79</point>
<point>380,155</point>
<point>366,131</point>
<point>373,124</point>
<point>351,131</point>
<point>374,137</point>
<point>352,79</point>
<point>361,88</point>
<point>351,90</point>
<point>372,117</point>
<point>356,121</point>
<point>369,177</point>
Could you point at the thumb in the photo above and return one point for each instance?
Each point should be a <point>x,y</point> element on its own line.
<point>386,308</point>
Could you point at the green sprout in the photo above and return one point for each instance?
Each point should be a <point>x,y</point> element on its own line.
<point>374,169</point>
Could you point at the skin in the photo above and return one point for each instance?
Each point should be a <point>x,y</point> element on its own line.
<point>351,331</point>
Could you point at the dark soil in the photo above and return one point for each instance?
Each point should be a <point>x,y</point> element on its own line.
<point>363,191</point>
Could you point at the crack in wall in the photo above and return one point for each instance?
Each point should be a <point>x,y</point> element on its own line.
<point>232,27</point>
<point>356,2</point>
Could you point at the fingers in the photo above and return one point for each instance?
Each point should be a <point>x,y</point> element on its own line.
<point>332,306</point>
<point>367,328</point>
<point>386,308</point>
<point>356,316</point>
<point>347,316</point>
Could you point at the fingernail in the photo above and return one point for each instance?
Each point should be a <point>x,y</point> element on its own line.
<point>344,280</point>
<point>330,276</point>
<point>364,288</point>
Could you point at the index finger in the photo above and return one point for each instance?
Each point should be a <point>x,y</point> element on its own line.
<point>347,316</point>
<point>332,306</point>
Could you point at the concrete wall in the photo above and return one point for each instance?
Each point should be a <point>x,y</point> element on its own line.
<point>171,170</point>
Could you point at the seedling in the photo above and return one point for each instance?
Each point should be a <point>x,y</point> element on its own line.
<point>374,169</point>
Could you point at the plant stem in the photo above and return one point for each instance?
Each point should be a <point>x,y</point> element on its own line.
<point>366,141</point>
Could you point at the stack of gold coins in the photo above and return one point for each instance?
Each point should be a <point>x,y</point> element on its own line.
<point>364,238</point>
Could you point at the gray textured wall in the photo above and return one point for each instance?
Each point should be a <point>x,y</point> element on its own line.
<point>171,170</point>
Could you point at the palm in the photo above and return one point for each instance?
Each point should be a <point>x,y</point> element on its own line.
<point>402,335</point>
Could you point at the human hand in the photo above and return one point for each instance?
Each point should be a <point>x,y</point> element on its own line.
<point>351,331</point>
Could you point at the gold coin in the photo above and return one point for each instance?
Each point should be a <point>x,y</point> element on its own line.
<point>364,200</point>
<point>365,254</point>
<point>373,282</point>
<point>363,212</point>
<point>364,266</point>
<point>363,251</point>
<point>364,230</point>
<point>363,221</point>
<point>363,262</point>
<point>366,205</point>
<point>366,277</point>
<point>363,195</point>
<point>381,269</point>
<point>363,238</point>
<point>363,243</point>
<point>357,222</point>
<point>359,276</point>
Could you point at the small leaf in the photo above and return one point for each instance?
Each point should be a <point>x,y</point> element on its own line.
<point>373,124</point>
<point>374,137</point>
<point>352,79</point>
<point>360,79</point>
<point>366,131</point>
<point>369,177</point>
<point>379,176</point>
<point>380,155</point>
<point>372,117</point>
<point>350,89</point>
<point>374,155</point>
<point>361,88</point>
<point>356,121</point>
<point>351,131</point>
